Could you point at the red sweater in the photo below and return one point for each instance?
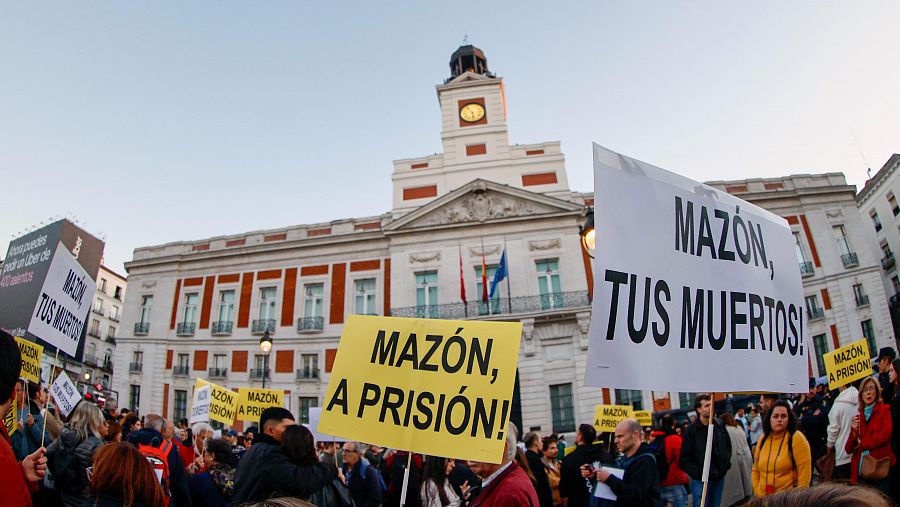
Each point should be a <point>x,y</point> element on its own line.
<point>873,435</point>
<point>15,489</point>
<point>511,487</point>
<point>676,475</point>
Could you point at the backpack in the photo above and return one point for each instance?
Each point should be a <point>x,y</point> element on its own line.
<point>68,474</point>
<point>658,446</point>
<point>364,468</point>
<point>159,460</point>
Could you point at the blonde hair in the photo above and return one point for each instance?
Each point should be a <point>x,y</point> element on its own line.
<point>86,420</point>
<point>862,387</point>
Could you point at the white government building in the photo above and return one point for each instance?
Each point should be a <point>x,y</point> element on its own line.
<point>197,309</point>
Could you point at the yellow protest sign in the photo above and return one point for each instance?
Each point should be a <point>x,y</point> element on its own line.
<point>644,418</point>
<point>31,360</point>
<point>440,387</point>
<point>9,418</point>
<point>223,402</point>
<point>848,363</point>
<point>606,417</point>
<point>251,402</point>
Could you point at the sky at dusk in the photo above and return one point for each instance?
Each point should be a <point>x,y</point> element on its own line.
<point>165,121</point>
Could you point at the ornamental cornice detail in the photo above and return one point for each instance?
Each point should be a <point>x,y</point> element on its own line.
<point>424,257</point>
<point>481,207</point>
<point>543,245</point>
<point>484,251</point>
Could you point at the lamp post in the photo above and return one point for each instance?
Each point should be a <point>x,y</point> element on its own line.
<point>588,235</point>
<point>265,346</point>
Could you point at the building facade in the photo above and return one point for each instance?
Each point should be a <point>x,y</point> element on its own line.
<point>103,325</point>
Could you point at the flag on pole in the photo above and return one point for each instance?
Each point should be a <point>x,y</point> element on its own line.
<point>484,289</point>
<point>500,274</point>
<point>462,280</point>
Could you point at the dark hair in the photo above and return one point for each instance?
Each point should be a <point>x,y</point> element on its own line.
<point>297,442</point>
<point>219,448</point>
<point>530,438</point>
<point>128,424</point>
<point>698,401</point>
<point>33,389</point>
<point>274,414</point>
<point>549,440</point>
<point>791,427</point>
<point>435,471</point>
<point>588,433</point>
<point>10,365</point>
<point>667,421</point>
<point>122,472</point>
<point>113,429</point>
<point>729,420</point>
<point>522,461</point>
<point>831,494</point>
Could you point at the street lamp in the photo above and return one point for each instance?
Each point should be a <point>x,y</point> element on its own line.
<point>87,377</point>
<point>265,346</point>
<point>588,235</point>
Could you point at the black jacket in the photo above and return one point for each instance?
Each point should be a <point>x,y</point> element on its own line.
<point>640,484</point>
<point>178,484</point>
<point>542,486</point>
<point>887,388</point>
<point>571,484</point>
<point>265,469</point>
<point>693,450</point>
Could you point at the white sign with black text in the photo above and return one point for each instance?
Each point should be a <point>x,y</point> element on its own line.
<point>65,393</point>
<point>200,405</point>
<point>691,285</point>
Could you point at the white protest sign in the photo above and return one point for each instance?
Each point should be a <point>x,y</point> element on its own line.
<point>200,405</point>
<point>65,393</point>
<point>691,276</point>
<point>605,492</point>
<point>62,307</point>
<point>314,414</point>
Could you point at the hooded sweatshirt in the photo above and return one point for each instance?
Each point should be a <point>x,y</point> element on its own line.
<point>845,406</point>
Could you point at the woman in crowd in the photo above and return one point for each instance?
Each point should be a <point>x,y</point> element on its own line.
<point>755,421</point>
<point>782,458</point>
<point>298,444</point>
<point>113,432</point>
<point>122,477</point>
<point>435,489</point>
<point>130,423</point>
<point>69,456</point>
<point>870,434</point>
<point>738,484</point>
<point>213,486</point>
<point>551,466</point>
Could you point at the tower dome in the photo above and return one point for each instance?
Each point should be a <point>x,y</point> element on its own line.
<point>468,58</point>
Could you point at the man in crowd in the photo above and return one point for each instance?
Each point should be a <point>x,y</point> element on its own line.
<point>693,451</point>
<point>765,401</point>
<point>505,484</point>
<point>840,419</point>
<point>362,478</point>
<point>151,435</point>
<point>639,486</point>
<point>201,431</point>
<point>265,468</point>
<point>671,488</point>
<point>812,413</point>
<point>17,479</point>
<point>109,409</point>
<point>885,357</point>
<point>572,486</point>
<point>237,450</point>
<point>533,450</point>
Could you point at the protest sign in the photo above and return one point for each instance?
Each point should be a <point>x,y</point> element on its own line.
<point>644,418</point>
<point>251,402</point>
<point>9,418</point>
<point>691,276</point>
<point>31,360</point>
<point>63,303</point>
<point>200,405</point>
<point>424,385</point>
<point>65,393</point>
<point>607,417</point>
<point>315,414</point>
<point>848,363</point>
<point>222,403</point>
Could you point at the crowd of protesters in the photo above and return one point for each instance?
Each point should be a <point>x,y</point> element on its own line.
<point>765,454</point>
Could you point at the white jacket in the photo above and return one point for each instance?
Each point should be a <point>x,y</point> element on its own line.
<point>845,407</point>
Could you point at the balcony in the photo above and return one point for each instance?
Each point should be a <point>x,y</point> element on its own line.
<point>114,319</point>
<point>502,306</point>
<point>135,367</point>
<point>111,339</point>
<point>218,372</point>
<point>308,374</point>
<point>862,300</point>
<point>888,262</point>
<point>94,332</point>
<point>222,327</point>
<point>850,260</point>
<point>181,370</point>
<point>97,310</point>
<point>263,325</point>
<point>258,373</point>
<point>806,269</point>
<point>107,365</point>
<point>185,328</point>
<point>310,324</point>
<point>91,360</point>
<point>816,314</point>
<point>141,328</point>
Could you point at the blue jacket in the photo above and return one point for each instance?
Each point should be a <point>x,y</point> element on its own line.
<point>204,491</point>
<point>364,485</point>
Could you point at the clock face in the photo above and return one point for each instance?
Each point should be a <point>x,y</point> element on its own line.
<point>472,112</point>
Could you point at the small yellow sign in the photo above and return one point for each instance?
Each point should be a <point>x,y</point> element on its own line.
<point>439,387</point>
<point>223,402</point>
<point>644,418</point>
<point>848,363</point>
<point>252,402</point>
<point>607,417</point>
<point>31,360</point>
<point>9,418</point>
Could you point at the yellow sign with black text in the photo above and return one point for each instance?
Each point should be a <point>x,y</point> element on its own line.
<point>9,418</point>
<point>644,418</point>
<point>251,402</point>
<point>607,417</point>
<point>31,360</point>
<point>223,402</point>
<point>440,387</point>
<point>848,363</point>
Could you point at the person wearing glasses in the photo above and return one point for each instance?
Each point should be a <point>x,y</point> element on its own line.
<point>870,435</point>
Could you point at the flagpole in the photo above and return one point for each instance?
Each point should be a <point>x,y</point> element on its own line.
<point>462,282</point>
<point>508,290</point>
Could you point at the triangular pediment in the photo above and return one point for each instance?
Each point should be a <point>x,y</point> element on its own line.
<point>482,201</point>
<point>470,76</point>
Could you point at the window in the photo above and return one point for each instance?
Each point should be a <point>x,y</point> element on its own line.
<point>183,361</point>
<point>868,332</point>
<point>146,304</point>
<point>102,287</point>
<point>812,304</point>
<point>875,220</point>
<point>91,351</point>
<point>843,242</point>
<point>562,408</point>
<point>190,308</point>
<point>306,402</point>
<point>267,303</point>
<point>180,404</point>
<point>630,397</point>
<point>259,361</point>
<point>118,293</point>
<point>226,305</point>
<point>893,202</point>
<point>107,357</point>
<point>95,328</point>
<point>686,400</point>
<point>114,313</point>
<point>886,250</point>
<point>365,296</point>
<point>138,357</point>
<point>821,349</point>
<point>548,284</point>
<point>98,305</point>
<point>309,363</point>
<point>134,397</point>
<point>494,306</point>
<point>313,293</point>
<point>798,248</point>
<point>426,294</point>
<point>111,332</point>
<point>860,295</point>
<point>219,361</point>
<point>895,283</point>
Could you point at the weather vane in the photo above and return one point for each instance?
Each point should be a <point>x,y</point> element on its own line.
<point>465,40</point>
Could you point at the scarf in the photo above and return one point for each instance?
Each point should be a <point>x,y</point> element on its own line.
<point>223,477</point>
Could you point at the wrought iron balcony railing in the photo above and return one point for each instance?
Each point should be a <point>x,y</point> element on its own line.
<point>850,260</point>
<point>888,261</point>
<point>310,324</point>
<point>258,373</point>
<point>262,325</point>
<point>806,269</point>
<point>222,327</point>
<point>91,360</point>
<point>501,306</point>
<point>135,367</point>
<point>185,328</point>
<point>308,374</point>
<point>141,327</point>
<point>816,313</point>
<point>218,372</point>
<point>180,370</point>
<point>862,300</point>
<point>107,365</point>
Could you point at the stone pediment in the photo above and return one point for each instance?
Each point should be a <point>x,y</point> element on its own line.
<point>481,201</point>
